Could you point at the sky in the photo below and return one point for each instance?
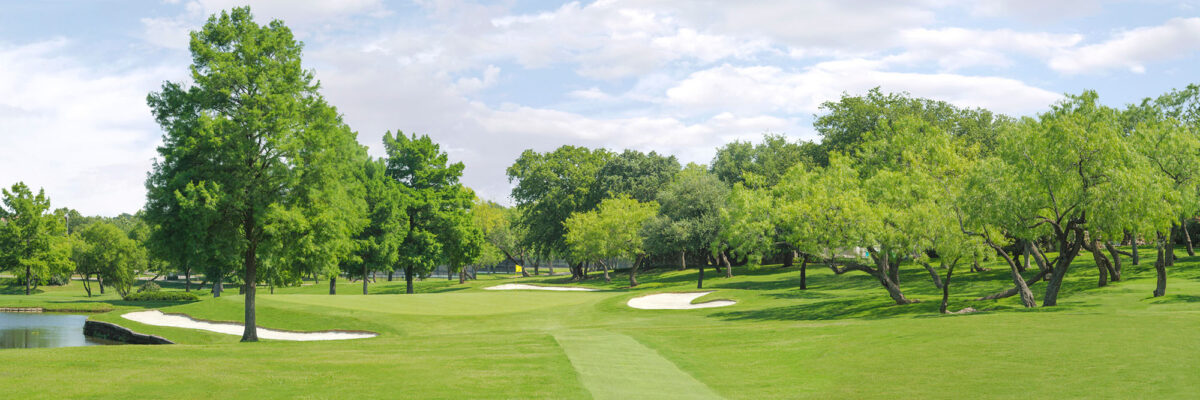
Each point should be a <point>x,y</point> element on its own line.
<point>487,80</point>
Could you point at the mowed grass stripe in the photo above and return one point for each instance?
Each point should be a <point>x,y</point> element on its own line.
<point>615,366</point>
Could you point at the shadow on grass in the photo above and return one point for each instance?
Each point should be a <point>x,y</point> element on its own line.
<point>1174,299</point>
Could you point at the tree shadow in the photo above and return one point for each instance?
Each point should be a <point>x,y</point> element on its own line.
<point>843,308</point>
<point>1174,299</point>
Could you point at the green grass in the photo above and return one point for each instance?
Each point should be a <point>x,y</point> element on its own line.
<point>842,338</point>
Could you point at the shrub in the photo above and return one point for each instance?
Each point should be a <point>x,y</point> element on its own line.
<point>162,296</point>
<point>150,287</point>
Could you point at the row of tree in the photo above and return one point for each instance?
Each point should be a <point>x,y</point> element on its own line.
<point>40,246</point>
<point>894,180</point>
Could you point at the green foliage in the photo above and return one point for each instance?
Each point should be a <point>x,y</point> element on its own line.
<point>612,231</point>
<point>102,249</point>
<point>549,188</point>
<point>32,239</point>
<point>690,209</point>
<point>253,150</point>
<point>161,296</point>
<point>438,205</point>
<point>635,174</point>
<point>150,287</point>
<point>760,165</point>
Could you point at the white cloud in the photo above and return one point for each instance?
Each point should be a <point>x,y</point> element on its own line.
<point>1132,49</point>
<point>295,12</point>
<point>84,135</point>
<point>1036,10</point>
<point>956,48</point>
<point>772,89</point>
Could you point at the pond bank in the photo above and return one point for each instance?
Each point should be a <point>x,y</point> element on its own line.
<point>117,333</point>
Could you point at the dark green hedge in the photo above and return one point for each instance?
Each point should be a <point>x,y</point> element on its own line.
<point>162,296</point>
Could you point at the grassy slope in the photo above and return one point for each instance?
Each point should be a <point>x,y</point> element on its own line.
<point>840,338</point>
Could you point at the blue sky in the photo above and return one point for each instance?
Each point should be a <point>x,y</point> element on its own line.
<point>490,79</point>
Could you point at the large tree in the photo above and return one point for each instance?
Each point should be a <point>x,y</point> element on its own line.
<point>31,237</point>
<point>548,188</point>
<point>436,200</point>
<point>102,249</point>
<point>612,231</point>
<point>1074,167</point>
<point>387,206</point>
<point>691,216</point>
<point>243,136</point>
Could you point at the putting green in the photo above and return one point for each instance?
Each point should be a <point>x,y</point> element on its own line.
<point>615,366</point>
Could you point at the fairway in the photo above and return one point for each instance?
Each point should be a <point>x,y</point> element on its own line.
<point>461,341</point>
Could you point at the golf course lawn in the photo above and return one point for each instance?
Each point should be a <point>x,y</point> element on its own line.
<point>841,338</point>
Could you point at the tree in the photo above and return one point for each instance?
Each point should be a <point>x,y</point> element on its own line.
<point>241,137</point>
<point>434,197</point>
<point>102,249</point>
<point>748,226</point>
<point>612,231</point>
<point>760,165</point>
<point>30,236</point>
<point>549,188</point>
<point>848,122</point>
<point>635,174</point>
<point>462,239</point>
<point>691,205</point>
<point>826,211</point>
<point>380,242</point>
<point>1073,165</point>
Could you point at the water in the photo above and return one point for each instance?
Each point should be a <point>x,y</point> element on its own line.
<point>29,330</point>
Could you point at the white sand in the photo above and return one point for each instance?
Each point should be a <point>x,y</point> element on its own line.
<point>675,301</point>
<point>522,286</point>
<point>157,318</point>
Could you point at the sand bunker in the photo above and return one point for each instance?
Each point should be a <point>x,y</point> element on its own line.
<point>157,318</point>
<point>522,286</point>
<point>675,301</point>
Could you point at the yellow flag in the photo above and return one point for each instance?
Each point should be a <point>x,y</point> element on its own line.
<point>518,269</point>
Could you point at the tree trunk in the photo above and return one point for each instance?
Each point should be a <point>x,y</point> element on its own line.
<point>1039,257</point>
<point>605,267</point>
<point>682,260</point>
<point>87,285</point>
<point>218,287</point>
<point>1134,242</point>
<point>100,283</point>
<point>1114,269</point>
<point>1101,262</point>
<point>789,259</point>
<point>893,268</point>
<point>946,284</point>
<point>937,279</point>
<point>633,271</point>
<point>187,279</point>
<point>408,279</point>
<point>1019,281</point>
<point>364,278</point>
<point>728,268</point>
<point>390,275</point>
<point>1067,253</point>
<point>1187,237</point>
<point>1025,248</point>
<point>883,269</point>
<point>251,332</point>
<point>28,277</point>
<point>1160,268</point>
<point>803,272</point>
<point>462,275</point>
<point>333,285</point>
<point>700,281</point>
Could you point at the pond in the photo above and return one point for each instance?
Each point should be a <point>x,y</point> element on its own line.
<point>29,330</point>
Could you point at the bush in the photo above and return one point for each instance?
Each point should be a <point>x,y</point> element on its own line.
<point>150,287</point>
<point>162,296</point>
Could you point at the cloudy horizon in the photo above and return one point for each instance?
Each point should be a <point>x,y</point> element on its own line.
<point>488,81</point>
